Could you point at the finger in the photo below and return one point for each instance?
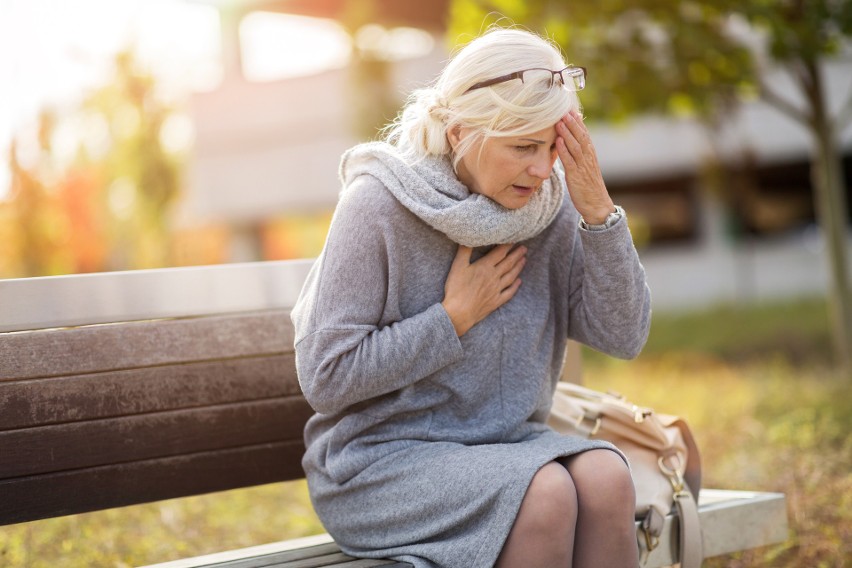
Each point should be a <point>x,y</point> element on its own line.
<point>462,256</point>
<point>564,154</point>
<point>498,253</point>
<point>572,143</point>
<point>575,122</point>
<point>512,266</point>
<point>507,293</point>
<point>580,132</point>
<point>513,273</point>
<point>512,257</point>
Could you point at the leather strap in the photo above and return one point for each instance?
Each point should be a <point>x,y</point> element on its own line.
<point>691,542</point>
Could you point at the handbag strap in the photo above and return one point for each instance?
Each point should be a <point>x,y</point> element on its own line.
<point>691,542</point>
<point>690,539</point>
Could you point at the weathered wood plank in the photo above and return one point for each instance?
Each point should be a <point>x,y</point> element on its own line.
<point>74,351</point>
<point>318,562</point>
<point>92,489</point>
<point>39,402</point>
<point>78,445</point>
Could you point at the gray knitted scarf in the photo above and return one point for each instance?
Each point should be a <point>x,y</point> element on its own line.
<point>430,189</point>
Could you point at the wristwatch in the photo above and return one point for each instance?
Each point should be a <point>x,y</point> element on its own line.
<point>610,220</point>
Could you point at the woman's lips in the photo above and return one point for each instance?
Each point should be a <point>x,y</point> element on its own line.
<point>523,189</point>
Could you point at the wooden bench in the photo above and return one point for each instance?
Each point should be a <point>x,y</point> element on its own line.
<point>131,387</point>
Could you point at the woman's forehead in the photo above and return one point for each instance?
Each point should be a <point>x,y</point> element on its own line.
<point>543,136</point>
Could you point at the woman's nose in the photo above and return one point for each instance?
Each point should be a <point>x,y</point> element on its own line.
<point>542,166</point>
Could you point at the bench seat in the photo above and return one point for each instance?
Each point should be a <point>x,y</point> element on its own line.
<point>730,521</point>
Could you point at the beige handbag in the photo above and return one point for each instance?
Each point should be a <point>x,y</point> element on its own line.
<point>663,457</point>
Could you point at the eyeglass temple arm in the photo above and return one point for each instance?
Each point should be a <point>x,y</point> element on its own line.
<point>501,79</point>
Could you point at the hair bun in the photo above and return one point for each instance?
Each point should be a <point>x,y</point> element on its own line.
<point>436,105</point>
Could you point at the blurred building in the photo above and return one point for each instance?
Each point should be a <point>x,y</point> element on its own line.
<point>270,149</point>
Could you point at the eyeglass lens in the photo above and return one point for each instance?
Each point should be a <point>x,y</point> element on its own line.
<point>574,78</point>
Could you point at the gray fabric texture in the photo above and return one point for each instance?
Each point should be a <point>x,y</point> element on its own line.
<point>424,443</point>
<point>430,190</point>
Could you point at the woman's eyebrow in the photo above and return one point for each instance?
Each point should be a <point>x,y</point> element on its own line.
<point>533,140</point>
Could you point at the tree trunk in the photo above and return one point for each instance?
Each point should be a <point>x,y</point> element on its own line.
<point>832,214</point>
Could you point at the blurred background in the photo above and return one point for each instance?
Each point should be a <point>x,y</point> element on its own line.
<point>142,134</point>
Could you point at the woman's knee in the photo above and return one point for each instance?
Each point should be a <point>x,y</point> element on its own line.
<point>602,480</point>
<point>551,496</point>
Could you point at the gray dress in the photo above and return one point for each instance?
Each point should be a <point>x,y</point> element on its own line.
<point>424,443</point>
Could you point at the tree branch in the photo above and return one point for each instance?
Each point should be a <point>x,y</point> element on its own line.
<point>783,105</point>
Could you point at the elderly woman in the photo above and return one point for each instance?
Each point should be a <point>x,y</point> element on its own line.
<point>431,331</point>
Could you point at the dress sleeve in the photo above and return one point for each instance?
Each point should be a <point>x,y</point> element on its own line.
<point>346,352</point>
<point>610,302</point>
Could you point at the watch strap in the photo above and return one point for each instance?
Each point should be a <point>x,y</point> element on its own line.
<point>610,220</point>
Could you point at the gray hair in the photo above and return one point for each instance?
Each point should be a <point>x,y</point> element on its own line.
<point>511,108</point>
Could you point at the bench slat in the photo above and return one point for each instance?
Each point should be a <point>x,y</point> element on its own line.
<point>335,559</point>
<point>368,563</point>
<point>739,520</point>
<point>84,299</point>
<point>48,449</point>
<point>39,402</point>
<point>296,553</point>
<point>92,349</point>
<point>80,491</point>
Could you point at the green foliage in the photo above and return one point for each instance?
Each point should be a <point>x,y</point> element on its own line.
<point>669,56</point>
<point>665,57</point>
<point>801,29</point>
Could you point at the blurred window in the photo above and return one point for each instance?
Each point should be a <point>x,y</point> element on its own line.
<point>278,46</point>
<point>660,210</point>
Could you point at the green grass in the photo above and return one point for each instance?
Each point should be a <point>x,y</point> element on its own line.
<point>796,331</point>
<point>753,382</point>
<point>167,530</point>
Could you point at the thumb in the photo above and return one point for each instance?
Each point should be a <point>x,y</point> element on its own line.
<point>463,256</point>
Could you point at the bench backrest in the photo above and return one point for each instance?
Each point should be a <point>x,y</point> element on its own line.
<point>129,387</point>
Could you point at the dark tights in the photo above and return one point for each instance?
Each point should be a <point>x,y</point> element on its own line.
<point>577,512</point>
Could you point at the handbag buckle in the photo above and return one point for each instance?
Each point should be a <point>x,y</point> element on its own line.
<point>651,541</point>
<point>594,430</point>
<point>640,414</point>
<point>675,471</point>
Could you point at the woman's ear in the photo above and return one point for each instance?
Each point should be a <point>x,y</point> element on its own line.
<point>454,136</point>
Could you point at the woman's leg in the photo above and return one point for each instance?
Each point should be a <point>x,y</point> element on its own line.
<point>606,534</point>
<point>543,533</point>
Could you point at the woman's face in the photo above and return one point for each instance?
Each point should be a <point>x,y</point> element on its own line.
<point>507,170</point>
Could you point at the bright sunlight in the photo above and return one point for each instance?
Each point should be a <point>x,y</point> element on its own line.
<point>53,52</point>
